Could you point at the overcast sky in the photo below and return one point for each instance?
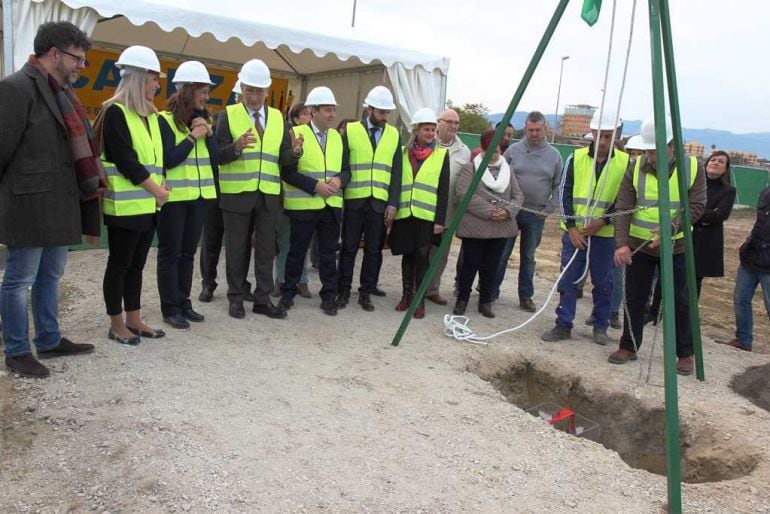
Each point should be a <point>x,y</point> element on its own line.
<point>721,50</point>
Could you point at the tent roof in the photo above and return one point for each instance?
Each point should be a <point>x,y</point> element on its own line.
<point>172,30</point>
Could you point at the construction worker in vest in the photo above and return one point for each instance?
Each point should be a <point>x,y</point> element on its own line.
<point>312,199</point>
<point>421,214</point>
<point>589,185</point>
<point>255,144</point>
<point>637,243</point>
<point>371,197</point>
<point>189,152</point>
<point>133,161</point>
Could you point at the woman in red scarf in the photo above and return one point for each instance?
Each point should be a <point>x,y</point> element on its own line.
<point>421,214</point>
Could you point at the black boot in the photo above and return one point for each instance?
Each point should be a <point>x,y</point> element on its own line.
<point>407,284</point>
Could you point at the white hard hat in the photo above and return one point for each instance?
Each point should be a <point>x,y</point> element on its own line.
<point>424,115</point>
<point>648,133</point>
<point>380,97</point>
<point>237,87</point>
<point>139,57</point>
<point>635,143</point>
<point>607,121</point>
<point>192,72</point>
<point>255,73</point>
<point>320,95</point>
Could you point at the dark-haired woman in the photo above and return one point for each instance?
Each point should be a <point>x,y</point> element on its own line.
<point>708,233</point>
<point>189,150</point>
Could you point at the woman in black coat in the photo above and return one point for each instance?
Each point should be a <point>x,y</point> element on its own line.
<point>708,232</point>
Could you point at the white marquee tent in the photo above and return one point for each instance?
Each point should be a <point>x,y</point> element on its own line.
<point>349,67</point>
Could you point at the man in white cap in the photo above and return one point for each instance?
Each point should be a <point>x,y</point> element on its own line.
<point>639,231</point>
<point>255,144</point>
<point>371,197</point>
<point>590,183</point>
<point>313,199</point>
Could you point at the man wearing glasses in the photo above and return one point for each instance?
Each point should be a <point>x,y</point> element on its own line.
<point>49,174</point>
<point>459,155</point>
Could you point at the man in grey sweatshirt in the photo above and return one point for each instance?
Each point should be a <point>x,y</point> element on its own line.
<point>538,167</point>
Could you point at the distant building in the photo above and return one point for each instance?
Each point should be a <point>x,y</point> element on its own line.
<point>694,148</point>
<point>576,120</point>
<point>743,158</point>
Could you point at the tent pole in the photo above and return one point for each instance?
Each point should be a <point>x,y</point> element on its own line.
<point>446,239</point>
<point>7,37</point>
<point>666,264</point>
<point>684,186</point>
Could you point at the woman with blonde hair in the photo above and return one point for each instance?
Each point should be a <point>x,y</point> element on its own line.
<point>420,218</point>
<point>132,154</point>
<point>190,151</point>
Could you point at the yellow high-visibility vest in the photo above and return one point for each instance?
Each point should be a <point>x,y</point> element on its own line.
<point>419,194</point>
<point>122,197</point>
<point>646,220</point>
<point>257,168</point>
<point>370,169</point>
<point>194,177</point>
<point>587,191</point>
<point>316,163</point>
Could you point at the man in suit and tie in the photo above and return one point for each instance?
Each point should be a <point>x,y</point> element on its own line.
<point>371,197</point>
<point>313,198</point>
<point>255,144</point>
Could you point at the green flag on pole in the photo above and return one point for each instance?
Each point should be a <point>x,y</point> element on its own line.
<point>590,12</point>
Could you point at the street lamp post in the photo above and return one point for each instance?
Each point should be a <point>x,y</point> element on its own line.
<point>558,94</point>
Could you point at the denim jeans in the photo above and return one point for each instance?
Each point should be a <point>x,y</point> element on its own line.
<point>602,272</point>
<point>745,285</point>
<point>531,230</point>
<point>41,268</point>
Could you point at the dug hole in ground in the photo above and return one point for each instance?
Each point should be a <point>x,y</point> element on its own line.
<point>316,413</point>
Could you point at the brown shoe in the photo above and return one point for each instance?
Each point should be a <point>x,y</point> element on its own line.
<point>437,299</point>
<point>526,304</point>
<point>685,365</point>
<point>621,356</point>
<point>736,344</point>
<point>303,291</point>
<point>26,366</point>
<point>64,348</point>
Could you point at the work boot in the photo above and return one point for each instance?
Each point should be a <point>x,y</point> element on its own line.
<point>365,302</point>
<point>460,306</point>
<point>615,321</point>
<point>526,304</point>
<point>590,320</point>
<point>601,337</point>
<point>557,333</point>
<point>685,365</point>
<point>621,356</point>
<point>343,298</point>
<point>735,344</point>
<point>486,310</point>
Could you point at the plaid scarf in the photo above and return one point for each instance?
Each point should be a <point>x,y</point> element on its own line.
<point>88,169</point>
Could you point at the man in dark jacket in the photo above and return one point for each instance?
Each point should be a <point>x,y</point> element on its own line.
<point>753,270</point>
<point>48,165</point>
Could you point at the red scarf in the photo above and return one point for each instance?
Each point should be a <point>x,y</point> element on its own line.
<point>88,169</point>
<point>418,155</point>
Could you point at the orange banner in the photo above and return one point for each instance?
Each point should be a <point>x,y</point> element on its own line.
<point>98,81</point>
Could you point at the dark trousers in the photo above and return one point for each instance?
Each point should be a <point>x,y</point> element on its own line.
<point>639,277</point>
<point>211,245</point>
<point>179,230</point>
<point>122,285</point>
<point>264,241</point>
<point>326,225</point>
<point>480,256</point>
<point>371,224</point>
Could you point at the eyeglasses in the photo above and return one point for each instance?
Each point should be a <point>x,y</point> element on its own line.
<point>80,59</point>
<point>450,122</point>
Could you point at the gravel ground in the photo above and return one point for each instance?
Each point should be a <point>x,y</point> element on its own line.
<point>316,414</point>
